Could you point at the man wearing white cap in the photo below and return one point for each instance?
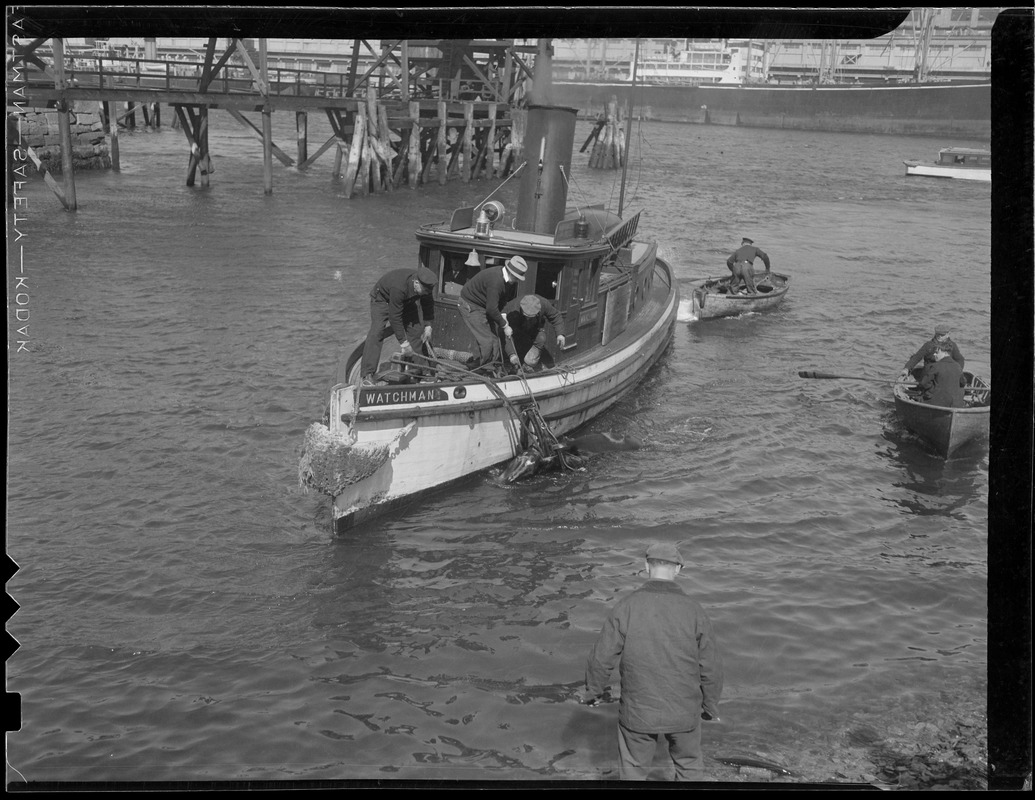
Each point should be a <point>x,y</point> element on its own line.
<point>527,347</point>
<point>670,668</point>
<point>481,305</point>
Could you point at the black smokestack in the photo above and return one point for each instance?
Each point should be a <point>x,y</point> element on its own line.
<point>549,141</point>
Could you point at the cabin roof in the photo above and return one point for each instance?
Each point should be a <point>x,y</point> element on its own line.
<point>975,151</point>
<point>508,238</point>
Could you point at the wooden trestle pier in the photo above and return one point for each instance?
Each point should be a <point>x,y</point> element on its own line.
<point>418,112</point>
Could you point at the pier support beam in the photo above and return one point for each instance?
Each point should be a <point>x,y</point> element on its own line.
<point>195,128</point>
<point>283,157</point>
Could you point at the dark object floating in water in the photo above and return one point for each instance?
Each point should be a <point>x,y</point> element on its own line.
<point>569,453</point>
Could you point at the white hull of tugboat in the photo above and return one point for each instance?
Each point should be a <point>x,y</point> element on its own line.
<point>435,437</point>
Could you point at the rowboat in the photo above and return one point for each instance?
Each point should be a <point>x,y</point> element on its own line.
<point>433,421</point>
<point>964,163</point>
<point>711,297</point>
<point>946,430</point>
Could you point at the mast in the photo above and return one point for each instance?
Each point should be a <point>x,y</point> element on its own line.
<point>628,129</point>
<point>923,44</point>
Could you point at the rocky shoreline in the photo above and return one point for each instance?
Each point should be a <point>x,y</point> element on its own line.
<point>925,748</point>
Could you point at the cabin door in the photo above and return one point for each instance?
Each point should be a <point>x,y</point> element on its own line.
<point>562,285</point>
<point>571,307</point>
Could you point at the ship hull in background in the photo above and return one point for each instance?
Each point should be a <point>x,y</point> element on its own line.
<point>960,110</point>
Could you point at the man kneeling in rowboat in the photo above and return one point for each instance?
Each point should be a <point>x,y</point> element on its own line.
<point>741,264</point>
<point>526,348</point>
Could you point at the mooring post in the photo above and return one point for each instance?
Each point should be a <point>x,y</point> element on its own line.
<point>441,150</point>
<point>267,150</point>
<point>64,126</point>
<point>336,172</point>
<point>413,159</point>
<point>204,161</point>
<point>491,143</point>
<point>112,114</point>
<point>189,125</point>
<point>468,142</point>
<point>131,115</point>
<point>302,127</point>
<point>267,122</point>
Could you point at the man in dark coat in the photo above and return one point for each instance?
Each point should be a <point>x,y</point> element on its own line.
<point>741,264</point>
<point>401,303</point>
<point>941,383</point>
<point>925,355</point>
<point>527,346</point>
<point>670,668</point>
<point>481,306</point>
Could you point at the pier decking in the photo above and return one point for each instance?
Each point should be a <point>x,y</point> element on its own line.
<point>415,112</point>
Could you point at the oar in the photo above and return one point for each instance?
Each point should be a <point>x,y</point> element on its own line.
<point>808,373</point>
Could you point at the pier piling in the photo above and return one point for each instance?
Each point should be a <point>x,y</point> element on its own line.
<point>68,199</point>
<point>302,130</point>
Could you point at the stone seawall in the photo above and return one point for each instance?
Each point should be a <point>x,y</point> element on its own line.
<point>39,130</point>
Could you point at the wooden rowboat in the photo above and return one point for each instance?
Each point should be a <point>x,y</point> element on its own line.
<point>710,298</point>
<point>946,430</point>
<point>430,419</point>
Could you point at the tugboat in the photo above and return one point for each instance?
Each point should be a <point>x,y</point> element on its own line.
<point>431,418</point>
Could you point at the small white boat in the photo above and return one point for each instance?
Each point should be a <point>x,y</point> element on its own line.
<point>962,163</point>
<point>711,297</point>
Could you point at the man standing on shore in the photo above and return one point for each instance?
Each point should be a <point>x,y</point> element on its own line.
<point>671,672</point>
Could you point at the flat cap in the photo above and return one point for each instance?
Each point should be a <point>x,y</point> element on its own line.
<point>665,552</point>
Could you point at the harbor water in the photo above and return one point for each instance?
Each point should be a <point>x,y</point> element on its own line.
<point>186,612</point>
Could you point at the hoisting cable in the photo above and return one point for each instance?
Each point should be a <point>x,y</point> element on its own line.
<point>547,438</point>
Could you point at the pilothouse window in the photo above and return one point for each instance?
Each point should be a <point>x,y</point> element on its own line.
<point>456,271</point>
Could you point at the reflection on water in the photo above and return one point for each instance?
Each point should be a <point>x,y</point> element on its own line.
<point>935,485</point>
